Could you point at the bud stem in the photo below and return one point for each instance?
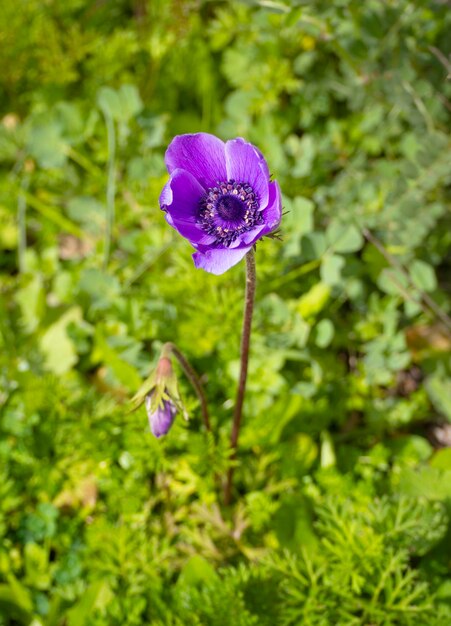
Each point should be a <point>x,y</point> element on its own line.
<point>192,376</point>
<point>251,281</point>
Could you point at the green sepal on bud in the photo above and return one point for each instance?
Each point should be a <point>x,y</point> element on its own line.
<point>160,386</point>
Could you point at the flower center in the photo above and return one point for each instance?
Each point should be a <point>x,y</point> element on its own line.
<point>229,210</point>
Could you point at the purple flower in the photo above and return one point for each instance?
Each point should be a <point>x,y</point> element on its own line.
<point>160,417</point>
<point>219,197</point>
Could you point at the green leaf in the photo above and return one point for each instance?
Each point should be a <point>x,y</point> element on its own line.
<point>327,455</point>
<point>330,270</point>
<point>344,237</point>
<point>100,287</point>
<point>124,372</point>
<point>58,349</point>
<point>430,482</point>
<point>394,282</point>
<point>297,222</point>
<point>302,212</point>
<point>303,151</point>
<point>423,275</point>
<point>438,387</point>
<point>53,214</point>
<point>312,302</point>
<point>37,566</point>
<point>196,572</point>
<point>46,144</point>
<point>31,300</point>
<point>15,601</point>
<point>298,455</point>
<point>313,245</point>
<point>120,105</point>
<point>324,333</point>
<point>109,102</point>
<point>410,449</point>
<point>88,212</point>
<point>71,121</point>
<point>442,459</point>
<point>95,598</point>
<point>131,103</point>
<point>293,524</point>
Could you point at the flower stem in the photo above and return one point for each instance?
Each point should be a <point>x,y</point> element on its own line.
<point>194,379</point>
<point>110,189</point>
<point>22,225</point>
<point>251,281</point>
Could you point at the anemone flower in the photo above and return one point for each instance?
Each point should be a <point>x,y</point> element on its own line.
<point>219,197</point>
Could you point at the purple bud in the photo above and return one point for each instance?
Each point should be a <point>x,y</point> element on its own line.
<point>161,419</point>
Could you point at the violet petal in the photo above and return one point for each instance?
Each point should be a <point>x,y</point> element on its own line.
<point>162,419</point>
<point>201,154</point>
<point>273,212</point>
<point>219,260</point>
<point>180,200</point>
<point>246,164</point>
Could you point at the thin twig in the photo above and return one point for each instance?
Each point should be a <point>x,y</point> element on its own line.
<point>22,224</point>
<point>194,379</point>
<point>52,214</point>
<point>420,105</point>
<point>83,162</point>
<point>426,298</point>
<point>442,58</point>
<point>110,189</point>
<point>147,264</point>
<point>251,279</point>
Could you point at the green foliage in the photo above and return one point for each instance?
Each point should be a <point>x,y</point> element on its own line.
<point>360,574</point>
<point>342,499</point>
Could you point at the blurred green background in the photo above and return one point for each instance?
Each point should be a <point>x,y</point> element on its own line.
<point>343,488</point>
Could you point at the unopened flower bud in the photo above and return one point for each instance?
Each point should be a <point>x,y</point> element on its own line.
<point>161,396</point>
<point>161,417</point>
